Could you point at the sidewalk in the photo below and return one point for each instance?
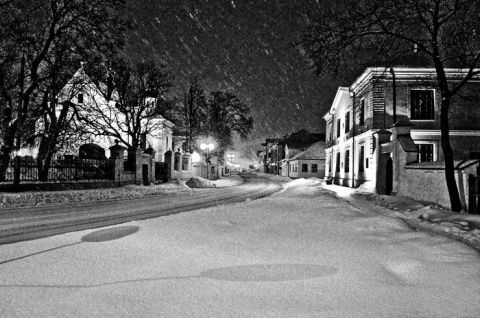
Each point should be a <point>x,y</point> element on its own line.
<point>418,215</point>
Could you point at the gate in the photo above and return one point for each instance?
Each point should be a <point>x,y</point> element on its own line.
<point>474,193</point>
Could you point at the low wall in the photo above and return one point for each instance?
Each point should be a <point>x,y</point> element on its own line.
<point>427,183</point>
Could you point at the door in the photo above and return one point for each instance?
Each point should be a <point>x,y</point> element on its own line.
<point>389,177</point>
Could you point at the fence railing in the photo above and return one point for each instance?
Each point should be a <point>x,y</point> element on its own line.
<point>65,168</point>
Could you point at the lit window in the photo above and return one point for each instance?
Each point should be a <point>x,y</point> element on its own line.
<point>422,104</point>
<point>425,152</point>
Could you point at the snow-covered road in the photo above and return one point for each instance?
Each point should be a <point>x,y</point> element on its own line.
<point>300,253</point>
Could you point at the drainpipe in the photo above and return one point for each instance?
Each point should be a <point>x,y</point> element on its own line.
<point>331,152</point>
<point>352,95</point>
<point>394,96</point>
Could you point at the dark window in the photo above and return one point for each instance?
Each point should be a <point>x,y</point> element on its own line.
<point>360,159</point>
<point>185,162</point>
<point>337,168</point>
<point>304,167</point>
<point>361,119</point>
<point>176,163</point>
<point>347,160</point>
<point>425,152</point>
<point>314,168</point>
<point>347,122</point>
<point>80,98</point>
<point>338,127</point>
<point>366,163</point>
<point>422,104</point>
<point>143,141</point>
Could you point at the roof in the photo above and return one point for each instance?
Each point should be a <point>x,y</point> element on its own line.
<point>342,93</point>
<point>405,73</point>
<point>315,151</point>
<point>301,139</point>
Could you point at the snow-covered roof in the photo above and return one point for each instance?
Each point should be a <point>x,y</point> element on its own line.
<point>342,93</point>
<point>315,151</point>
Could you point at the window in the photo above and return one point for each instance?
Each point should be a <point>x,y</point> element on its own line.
<point>425,152</point>
<point>422,104</point>
<point>143,141</point>
<point>347,160</point>
<point>314,168</point>
<point>185,162</point>
<point>361,119</point>
<point>304,167</point>
<point>360,159</point>
<point>80,98</point>
<point>347,122</point>
<point>337,168</point>
<point>338,127</point>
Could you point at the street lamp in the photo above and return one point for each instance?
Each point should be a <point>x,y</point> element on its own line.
<point>230,158</point>
<point>209,147</point>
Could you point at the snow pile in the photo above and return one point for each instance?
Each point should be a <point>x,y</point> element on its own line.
<point>368,186</point>
<point>197,182</point>
<point>38,198</point>
<point>21,199</point>
<point>462,221</point>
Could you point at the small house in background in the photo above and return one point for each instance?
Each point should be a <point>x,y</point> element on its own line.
<point>308,163</point>
<point>278,153</point>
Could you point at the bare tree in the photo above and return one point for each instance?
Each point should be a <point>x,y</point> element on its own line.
<point>437,33</point>
<point>212,115</point>
<point>31,33</point>
<point>128,103</point>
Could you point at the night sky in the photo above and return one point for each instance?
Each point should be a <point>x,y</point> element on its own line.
<point>241,46</point>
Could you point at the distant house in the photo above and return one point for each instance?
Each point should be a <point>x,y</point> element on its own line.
<point>279,151</point>
<point>360,121</point>
<point>308,163</point>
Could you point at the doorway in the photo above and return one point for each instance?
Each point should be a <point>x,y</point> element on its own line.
<point>389,177</point>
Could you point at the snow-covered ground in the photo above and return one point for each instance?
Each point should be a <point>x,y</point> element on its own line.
<point>300,253</point>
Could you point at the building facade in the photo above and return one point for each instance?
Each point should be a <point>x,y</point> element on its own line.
<point>362,115</point>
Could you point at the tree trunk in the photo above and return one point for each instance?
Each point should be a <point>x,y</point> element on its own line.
<point>455,203</point>
<point>7,146</point>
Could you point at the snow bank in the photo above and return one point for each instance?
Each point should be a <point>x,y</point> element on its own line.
<point>71,196</point>
<point>460,220</point>
<point>197,182</point>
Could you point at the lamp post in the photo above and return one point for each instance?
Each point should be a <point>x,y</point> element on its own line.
<point>230,158</point>
<point>209,147</point>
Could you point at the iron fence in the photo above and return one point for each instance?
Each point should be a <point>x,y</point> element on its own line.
<point>64,168</point>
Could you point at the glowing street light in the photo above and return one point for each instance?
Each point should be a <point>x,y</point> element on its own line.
<point>208,147</point>
<point>230,157</point>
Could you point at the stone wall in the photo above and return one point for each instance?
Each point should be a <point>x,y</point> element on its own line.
<point>427,183</point>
